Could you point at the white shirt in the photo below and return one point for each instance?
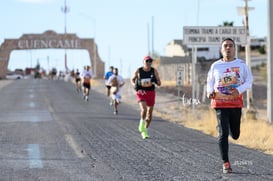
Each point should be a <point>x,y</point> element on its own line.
<point>225,75</point>
<point>86,74</point>
<point>119,79</point>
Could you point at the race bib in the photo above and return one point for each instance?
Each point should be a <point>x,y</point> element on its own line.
<point>146,82</point>
<point>86,79</point>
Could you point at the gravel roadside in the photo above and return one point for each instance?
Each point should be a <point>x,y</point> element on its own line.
<point>4,83</point>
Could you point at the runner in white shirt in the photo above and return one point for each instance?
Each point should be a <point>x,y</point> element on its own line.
<point>116,81</point>
<point>87,76</point>
<point>78,80</point>
<point>227,80</point>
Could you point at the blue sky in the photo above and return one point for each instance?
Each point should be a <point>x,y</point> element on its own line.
<point>120,27</point>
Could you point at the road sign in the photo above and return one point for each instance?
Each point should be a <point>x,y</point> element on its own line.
<point>179,76</point>
<point>213,35</point>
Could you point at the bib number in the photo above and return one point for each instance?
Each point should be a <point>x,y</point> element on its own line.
<point>146,82</point>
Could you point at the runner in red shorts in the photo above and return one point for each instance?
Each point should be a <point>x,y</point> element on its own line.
<point>144,80</point>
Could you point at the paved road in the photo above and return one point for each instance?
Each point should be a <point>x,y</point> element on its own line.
<point>47,132</point>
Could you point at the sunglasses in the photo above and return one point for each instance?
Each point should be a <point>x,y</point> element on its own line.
<point>149,61</point>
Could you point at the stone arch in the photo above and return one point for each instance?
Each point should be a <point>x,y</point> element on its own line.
<point>51,40</point>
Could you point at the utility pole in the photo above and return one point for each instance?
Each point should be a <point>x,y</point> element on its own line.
<point>94,63</point>
<point>95,51</point>
<point>148,40</point>
<point>247,54</point>
<point>269,63</point>
<point>152,37</point>
<point>65,10</point>
<point>48,65</point>
<point>249,93</point>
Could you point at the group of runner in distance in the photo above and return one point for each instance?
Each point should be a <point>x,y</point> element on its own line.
<point>143,80</point>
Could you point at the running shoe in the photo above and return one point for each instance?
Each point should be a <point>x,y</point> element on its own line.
<point>141,126</point>
<point>86,98</point>
<point>115,112</point>
<point>144,134</point>
<point>227,168</point>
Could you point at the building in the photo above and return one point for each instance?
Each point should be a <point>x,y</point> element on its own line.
<point>176,48</point>
<point>178,56</point>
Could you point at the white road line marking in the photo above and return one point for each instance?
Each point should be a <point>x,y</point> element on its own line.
<point>74,145</point>
<point>32,104</point>
<point>34,156</point>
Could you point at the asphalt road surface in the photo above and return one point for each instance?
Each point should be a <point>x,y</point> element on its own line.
<point>47,132</point>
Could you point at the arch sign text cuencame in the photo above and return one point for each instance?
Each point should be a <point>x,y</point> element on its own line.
<point>51,40</point>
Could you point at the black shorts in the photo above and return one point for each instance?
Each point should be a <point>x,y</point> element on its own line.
<point>86,85</point>
<point>108,87</point>
<point>78,79</point>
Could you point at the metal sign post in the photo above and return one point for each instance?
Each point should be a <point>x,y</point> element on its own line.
<point>269,62</point>
<point>179,82</point>
<point>194,61</point>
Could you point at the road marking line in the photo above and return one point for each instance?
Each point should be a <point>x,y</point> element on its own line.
<point>34,156</point>
<point>50,108</point>
<point>32,104</point>
<point>74,145</point>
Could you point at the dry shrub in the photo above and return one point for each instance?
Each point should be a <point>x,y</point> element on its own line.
<point>204,121</point>
<point>257,135</point>
<point>168,82</point>
<point>94,82</point>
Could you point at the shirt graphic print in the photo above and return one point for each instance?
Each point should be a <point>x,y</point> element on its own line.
<point>229,80</point>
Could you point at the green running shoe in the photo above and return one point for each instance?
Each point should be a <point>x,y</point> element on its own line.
<point>144,134</point>
<point>141,126</point>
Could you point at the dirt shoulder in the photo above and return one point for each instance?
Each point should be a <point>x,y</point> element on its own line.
<point>4,83</point>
